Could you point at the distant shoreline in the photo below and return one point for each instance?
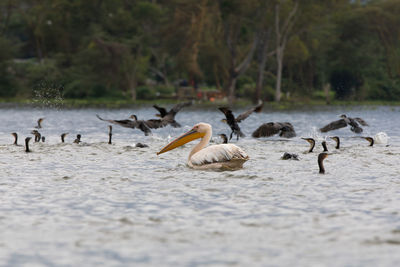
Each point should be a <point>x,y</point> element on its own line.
<point>122,103</point>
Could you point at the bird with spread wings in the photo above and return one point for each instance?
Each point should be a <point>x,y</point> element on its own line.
<point>169,116</point>
<point>343,122</point>
<point>233,122</point>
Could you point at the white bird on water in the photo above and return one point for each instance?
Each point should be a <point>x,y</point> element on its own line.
<point>222,156</point>
<point>381,138</point>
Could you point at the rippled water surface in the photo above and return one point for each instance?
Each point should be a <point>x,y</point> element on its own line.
<point>118,205</point>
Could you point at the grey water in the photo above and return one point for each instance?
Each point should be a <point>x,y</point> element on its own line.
<point>94,204</point>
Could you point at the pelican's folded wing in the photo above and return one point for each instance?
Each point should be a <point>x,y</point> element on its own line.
<point>218,153</point>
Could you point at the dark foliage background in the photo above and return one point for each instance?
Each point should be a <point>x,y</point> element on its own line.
<point>256,49</point>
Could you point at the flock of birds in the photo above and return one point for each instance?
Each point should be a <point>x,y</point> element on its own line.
<point>220,156</point>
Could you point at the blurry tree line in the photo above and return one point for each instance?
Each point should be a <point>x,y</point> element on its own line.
<point>258,49</point>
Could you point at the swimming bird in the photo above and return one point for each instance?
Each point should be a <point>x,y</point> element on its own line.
<point>311,141</point>
<point>15,138</point>
<point>39,123</point>
<point>27,144</point>
<point>170,115</point>
<point>337,140</point>
<point>141,145</point>
<point>287,156</point>
<point>370,140</point>
<point>324,146</point>
<point>37,135</point>
<point>285,129</point>
<point>134,124</point>
<point>222,156</point>
<point>321,158</point>
<point>224,138</point>
<point>109,134</point>
<point>343,122</point>
<point>78,139</point>
<point>63,137</point>
<point>233,122</point>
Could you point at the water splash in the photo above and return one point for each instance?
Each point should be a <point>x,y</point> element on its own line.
<point>48,95</point>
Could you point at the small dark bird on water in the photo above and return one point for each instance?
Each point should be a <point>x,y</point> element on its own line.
<point>343,122</point>
<point>141,145</point>
<point>109,134</point>
<point>63,137</point>
<point>27,144</point>
<point>39,123</point>
<point>324,146</point>
<point>37,135</point>
<point>321,158</point>
<point>287,156</point>
<point>285,129</point>
<point>78,139</point>
<point>15,138</point>
<point>337,140</point>
<point>311,141</point>
<point>224,138</point>
<point>370,140</point>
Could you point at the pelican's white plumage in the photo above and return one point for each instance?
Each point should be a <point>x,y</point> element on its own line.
<point>222,156</point>
<point>381,138</point>
<point>217,154</point>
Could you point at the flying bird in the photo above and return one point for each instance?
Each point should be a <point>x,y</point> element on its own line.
<point>343,122</point>
<point>222,156</point>
<point>285,129</point>
<point>134,124</point>
<point>233,122</point>
<point>170,115</point>
<point>230,119</point>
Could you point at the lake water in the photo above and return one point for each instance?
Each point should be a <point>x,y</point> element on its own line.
<point>96,204</point>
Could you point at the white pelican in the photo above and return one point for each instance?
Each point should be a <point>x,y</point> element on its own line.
<point>222,156</point>
<point>381,138</point>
